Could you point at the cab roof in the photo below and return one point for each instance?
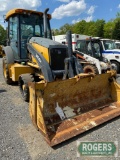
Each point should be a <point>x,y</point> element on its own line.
<point>23,11</point>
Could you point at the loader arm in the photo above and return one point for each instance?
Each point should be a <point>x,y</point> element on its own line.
<point>53,59</point>
<point>41,63</point>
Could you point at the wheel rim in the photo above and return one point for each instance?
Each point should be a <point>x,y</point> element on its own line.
<point>23,89</point>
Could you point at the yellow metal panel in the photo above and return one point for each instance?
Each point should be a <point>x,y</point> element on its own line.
<point>36,110</point>
<point>17,69</point>
<point>23,11</point>
<point>34,61</point>
<point>33,107</point>
<point>42,50</point>
<point>115,91</point>
<point>33,65</point>
<point>40,116</point>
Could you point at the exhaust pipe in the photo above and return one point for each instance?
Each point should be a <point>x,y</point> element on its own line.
<point>69,41</point>
<point>45,22</point>
<point>72,65</point>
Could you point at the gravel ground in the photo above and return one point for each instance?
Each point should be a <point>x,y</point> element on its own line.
<point>19,140</point>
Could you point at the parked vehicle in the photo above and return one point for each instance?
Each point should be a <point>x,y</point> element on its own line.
<point>91,61</point>
<point>117,44</point>
<point>91,50</point>
<point>111,52</point>
<point>62,39</point>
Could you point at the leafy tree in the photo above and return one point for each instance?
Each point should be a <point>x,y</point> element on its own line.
<point>65,28</point>
<point>89,28</point>
<point>99,28</point>
<point>116,31</point>
<point>99,24</point>
<point>3,36</point>
<point>108,29</point>
<point>55,32</point>
<point>79,27</point>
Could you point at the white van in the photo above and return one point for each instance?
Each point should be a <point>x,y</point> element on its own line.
<point>111,52</point>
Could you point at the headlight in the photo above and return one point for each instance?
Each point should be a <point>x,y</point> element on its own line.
<point>117,57</point>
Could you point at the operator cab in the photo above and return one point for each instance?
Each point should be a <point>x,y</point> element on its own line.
<point>22,25</point>
<point>90,47</point>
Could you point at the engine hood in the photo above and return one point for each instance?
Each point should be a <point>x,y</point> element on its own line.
<point>45,42</point>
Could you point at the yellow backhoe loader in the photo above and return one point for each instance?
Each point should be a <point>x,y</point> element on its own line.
<point>63,101</point>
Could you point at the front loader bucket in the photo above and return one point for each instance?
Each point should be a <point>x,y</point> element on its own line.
<point>64,109</point>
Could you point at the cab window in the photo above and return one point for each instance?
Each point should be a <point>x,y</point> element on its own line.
<point>13,28</point>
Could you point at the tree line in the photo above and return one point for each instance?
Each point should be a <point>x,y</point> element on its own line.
<point>98,28</point>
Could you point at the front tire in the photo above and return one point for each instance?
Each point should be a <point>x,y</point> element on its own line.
<point>117,66</point>
<point>90,69</point>
<point>23,85</point>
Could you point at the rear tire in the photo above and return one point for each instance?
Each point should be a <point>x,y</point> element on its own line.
<point>7,78</point>
<point>90,69</point>
<point>23,85</point>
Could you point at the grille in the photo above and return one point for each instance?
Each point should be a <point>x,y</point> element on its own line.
<point>57,58</point>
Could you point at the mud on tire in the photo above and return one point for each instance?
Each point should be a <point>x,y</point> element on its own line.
<point>90,69</point>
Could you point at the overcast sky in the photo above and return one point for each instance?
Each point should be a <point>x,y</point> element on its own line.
<point>66,11</point>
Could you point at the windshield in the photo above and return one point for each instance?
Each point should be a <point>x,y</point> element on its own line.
<point>94,49</point>
<point>118,45</point>
<point>32,25</point>
<point>109,44</point>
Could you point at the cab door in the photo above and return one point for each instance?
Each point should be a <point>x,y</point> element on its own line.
<point>13,36</point>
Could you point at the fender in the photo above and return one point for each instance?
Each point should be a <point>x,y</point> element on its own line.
<point>9,54</point>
